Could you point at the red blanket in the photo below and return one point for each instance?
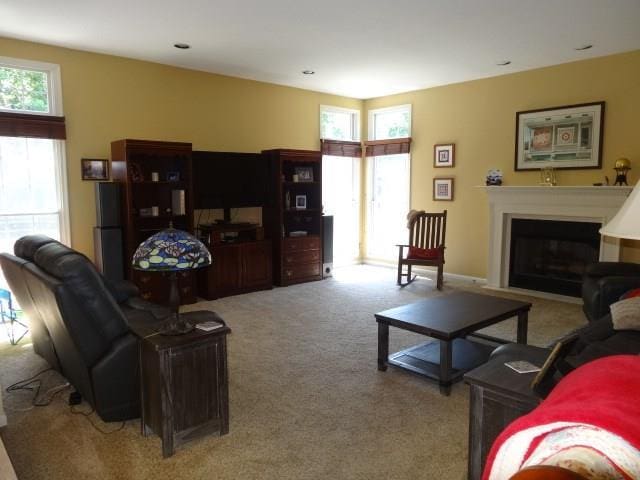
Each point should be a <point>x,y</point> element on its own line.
<point>599,400</point>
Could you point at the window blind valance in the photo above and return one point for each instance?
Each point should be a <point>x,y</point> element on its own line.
<point>394,146</point>
<point>341,148</point>
<point>32,126</point>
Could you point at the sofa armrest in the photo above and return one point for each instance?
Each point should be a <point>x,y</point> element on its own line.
<point>612,288</point>
<point>612,269</point>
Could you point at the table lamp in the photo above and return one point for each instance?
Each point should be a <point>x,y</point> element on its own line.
<point>172,251</point>
<point>626,223</point>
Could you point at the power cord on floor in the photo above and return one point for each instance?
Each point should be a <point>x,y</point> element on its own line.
<point>34,384</point>
<point>88,414</point>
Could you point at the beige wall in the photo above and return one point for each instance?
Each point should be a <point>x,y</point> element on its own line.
<point>479,117</point>
<point>107,98</point>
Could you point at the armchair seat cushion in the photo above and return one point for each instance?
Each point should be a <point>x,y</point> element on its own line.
<point>417,253</point>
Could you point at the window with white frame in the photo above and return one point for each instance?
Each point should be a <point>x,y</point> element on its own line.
<point>341,183</point>
<point>389,181</point>
<point>32,165</point>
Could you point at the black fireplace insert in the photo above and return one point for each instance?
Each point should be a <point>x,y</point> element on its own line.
<point>550,256</point>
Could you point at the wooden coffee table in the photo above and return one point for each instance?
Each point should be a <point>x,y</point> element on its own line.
<point>453,320</point>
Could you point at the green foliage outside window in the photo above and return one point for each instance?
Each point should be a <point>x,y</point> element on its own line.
<point>399,129</point>
<point>23,90</point>
<point>328,128</point>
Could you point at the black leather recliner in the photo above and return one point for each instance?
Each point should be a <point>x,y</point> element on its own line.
<point>604,283</point>
<point>80,322</point>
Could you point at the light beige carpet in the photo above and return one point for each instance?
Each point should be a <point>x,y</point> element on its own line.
<point>306,398</point>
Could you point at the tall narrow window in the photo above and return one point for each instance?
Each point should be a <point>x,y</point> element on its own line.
<point>32,165</point>
<point>341,180</point>
<point>388,192</point>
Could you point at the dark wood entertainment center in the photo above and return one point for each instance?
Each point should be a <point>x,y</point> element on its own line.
<point>286,184</point>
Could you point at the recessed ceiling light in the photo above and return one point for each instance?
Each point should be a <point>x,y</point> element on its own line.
<point>182,46</point>
<point>583,47</point>
<point>308,72</point>
<point>503,63</point>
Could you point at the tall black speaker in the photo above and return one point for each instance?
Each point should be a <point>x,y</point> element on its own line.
<point>327,246</point>
<point>108,212</point>
<point>107,244</point>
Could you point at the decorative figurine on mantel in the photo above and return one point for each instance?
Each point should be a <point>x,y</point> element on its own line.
<point>548,177</point>
<point>494,177</point>
<point>622,166</point>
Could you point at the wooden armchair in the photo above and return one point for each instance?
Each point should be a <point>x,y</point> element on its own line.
<point>426,244</point>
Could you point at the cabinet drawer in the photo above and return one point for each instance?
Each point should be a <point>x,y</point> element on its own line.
<point>307,256</point>
<point>301,271</point>
<point>301,243</point>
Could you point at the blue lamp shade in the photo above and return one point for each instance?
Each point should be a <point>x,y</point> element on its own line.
<point>171,250</point>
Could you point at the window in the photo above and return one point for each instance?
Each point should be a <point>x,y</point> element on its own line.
<point>339,123</point>
<point>341,183</point>
<point>32,165</point>
<point>388,193</point>
<point>30,87</point>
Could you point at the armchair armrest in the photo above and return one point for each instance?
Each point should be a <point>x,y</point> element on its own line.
<point>123,290</point>
<point>613,269</point>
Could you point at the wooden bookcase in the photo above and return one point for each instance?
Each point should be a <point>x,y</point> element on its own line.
<point>150,171</point>
<point>296,259</point>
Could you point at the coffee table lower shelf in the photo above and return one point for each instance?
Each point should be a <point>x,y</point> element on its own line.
<point>424,359</point>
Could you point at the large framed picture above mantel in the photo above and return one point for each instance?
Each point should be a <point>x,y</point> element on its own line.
<point>568,137</point>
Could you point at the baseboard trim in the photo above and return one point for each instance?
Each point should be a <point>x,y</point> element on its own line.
<point>424,272</point>
<point>537,294</point>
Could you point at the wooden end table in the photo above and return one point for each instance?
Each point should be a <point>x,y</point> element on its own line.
<point>453,320</point>
<point>184,382</point>
<point>498,396</point>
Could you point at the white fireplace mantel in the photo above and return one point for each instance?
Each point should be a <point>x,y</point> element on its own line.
<point>578,204</point>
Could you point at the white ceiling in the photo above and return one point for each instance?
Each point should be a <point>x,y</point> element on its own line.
<point>358,48</point>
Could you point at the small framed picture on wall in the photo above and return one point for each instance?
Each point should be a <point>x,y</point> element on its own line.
<point>95,169</point>
<point>443,189</point>
<point>443,155</point>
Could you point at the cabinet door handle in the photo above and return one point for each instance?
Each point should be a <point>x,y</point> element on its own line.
<point>288,273</point>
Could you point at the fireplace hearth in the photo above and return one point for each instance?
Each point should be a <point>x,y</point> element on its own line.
<point>550,255</point>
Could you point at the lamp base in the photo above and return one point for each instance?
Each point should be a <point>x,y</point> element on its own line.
<point>177,328</point>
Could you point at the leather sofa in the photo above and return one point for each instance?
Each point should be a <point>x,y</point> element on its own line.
<point>604,283</point>
<point>80,322</point>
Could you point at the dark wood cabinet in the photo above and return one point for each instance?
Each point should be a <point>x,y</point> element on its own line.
<point>155,178</point>
<point>293,216</point>
<point>184,383</point>
<point>256,265</point>
<point>237,268</point>
<point>154,286</point>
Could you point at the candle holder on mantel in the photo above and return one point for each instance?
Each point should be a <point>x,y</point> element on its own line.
<point>548,177</point>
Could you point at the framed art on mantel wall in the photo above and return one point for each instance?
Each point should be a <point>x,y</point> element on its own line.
<point>567,137</point>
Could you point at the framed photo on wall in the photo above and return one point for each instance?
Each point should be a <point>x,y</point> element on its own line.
<point>568,137</point>
<point>443,188</point>
<point>95,169</point>
<point>443,155</point>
